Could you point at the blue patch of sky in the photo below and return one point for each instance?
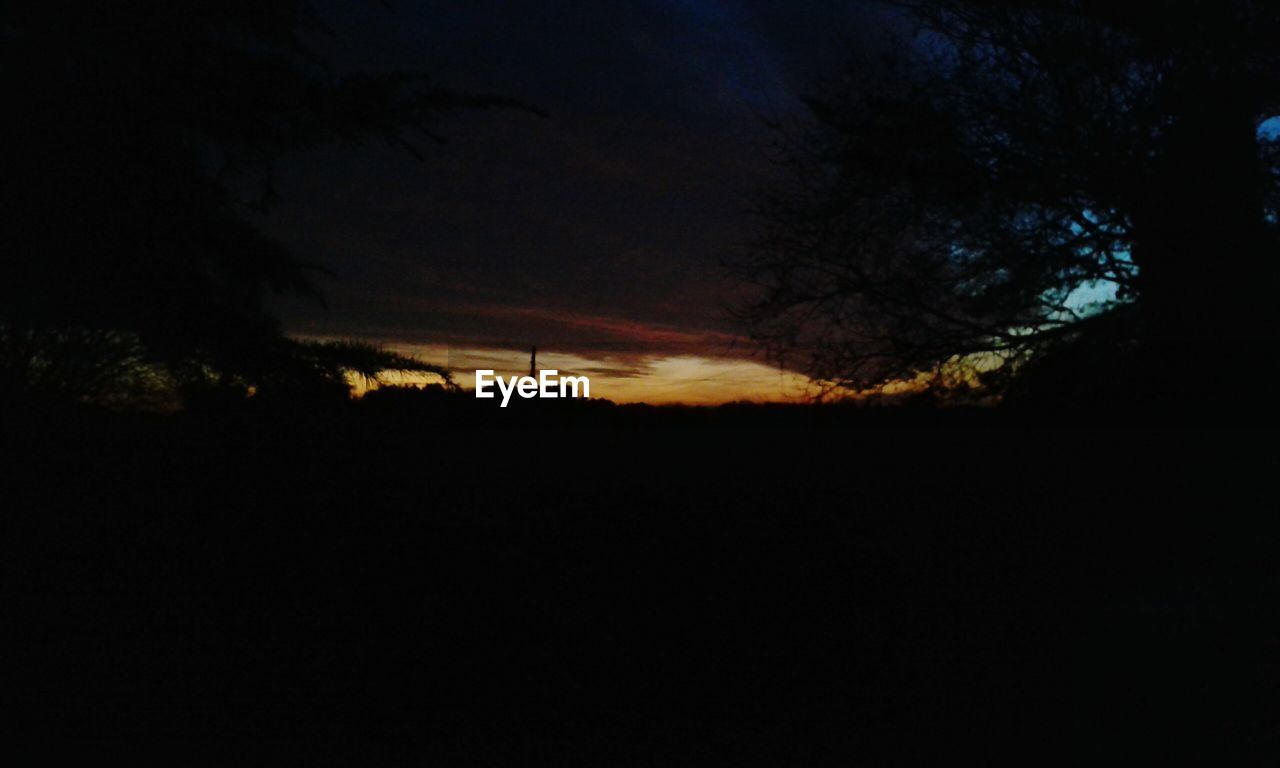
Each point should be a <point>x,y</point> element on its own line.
<point>1092,296</point>
<point>1095,296</point>
<point>1269,129</point>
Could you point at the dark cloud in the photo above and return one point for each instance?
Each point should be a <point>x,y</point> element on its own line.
<point>599,229</point>
<point>616,372</point>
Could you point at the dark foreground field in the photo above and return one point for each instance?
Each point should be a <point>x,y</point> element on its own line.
<point>377,588</point>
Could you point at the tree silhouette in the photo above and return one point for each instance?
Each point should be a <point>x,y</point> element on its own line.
<point>1015,177</point>
<point>139,136</point>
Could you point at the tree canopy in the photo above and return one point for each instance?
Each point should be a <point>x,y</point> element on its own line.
<point>1014,176</point>
<point>140,137</point>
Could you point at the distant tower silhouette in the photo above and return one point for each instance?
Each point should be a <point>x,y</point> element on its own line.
<point>533,363</point>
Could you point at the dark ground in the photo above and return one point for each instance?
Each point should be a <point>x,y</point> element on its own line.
<point>378,586</point>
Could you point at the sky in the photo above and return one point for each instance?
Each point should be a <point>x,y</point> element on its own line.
<point>598,233</point>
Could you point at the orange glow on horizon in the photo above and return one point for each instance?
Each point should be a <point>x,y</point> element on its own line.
<point>683,379</point>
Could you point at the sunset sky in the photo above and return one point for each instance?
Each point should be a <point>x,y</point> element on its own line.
<point>658,380</point>
<point>598,233</point>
